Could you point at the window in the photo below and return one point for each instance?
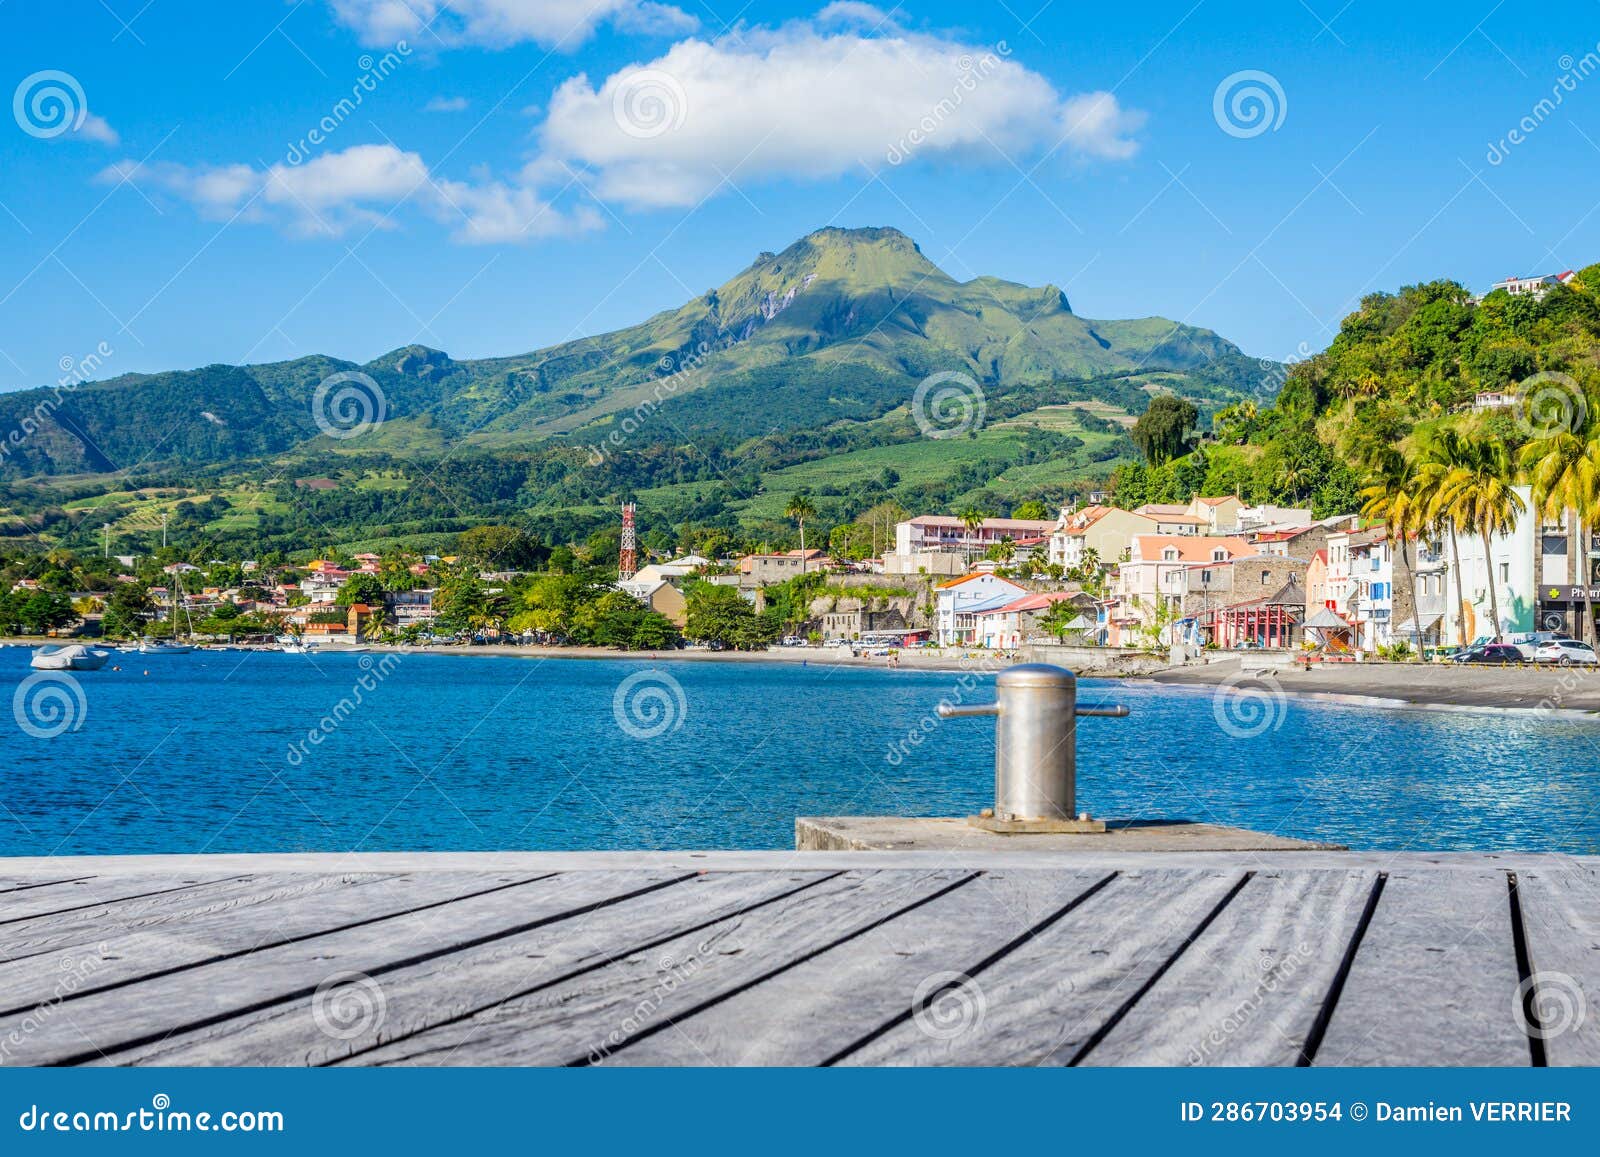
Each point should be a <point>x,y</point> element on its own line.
<point>1205,578</point>
<point>1505,572</point>
<point>1266,577</point>
<point>1170,554</point>
<point>1218,555</point>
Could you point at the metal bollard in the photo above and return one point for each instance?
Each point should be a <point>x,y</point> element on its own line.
<point>1035,750</point>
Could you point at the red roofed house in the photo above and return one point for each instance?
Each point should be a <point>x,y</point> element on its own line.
<point>1018,621</point>
<point>960,600</point>
<point>1156,575</point>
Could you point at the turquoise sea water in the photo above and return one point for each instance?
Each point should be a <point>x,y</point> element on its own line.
<point>210,752</point>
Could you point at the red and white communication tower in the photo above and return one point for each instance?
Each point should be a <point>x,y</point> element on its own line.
<point>628,563</point>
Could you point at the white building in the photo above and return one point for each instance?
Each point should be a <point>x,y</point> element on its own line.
<point>1535,286</point>
<point>959,601</point>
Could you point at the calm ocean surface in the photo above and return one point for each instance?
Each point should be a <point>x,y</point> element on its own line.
<point>209,753</point>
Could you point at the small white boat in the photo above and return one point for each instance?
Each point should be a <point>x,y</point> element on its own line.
<point>155,647</point>
<point>290,645</point>
<point>72,657</point>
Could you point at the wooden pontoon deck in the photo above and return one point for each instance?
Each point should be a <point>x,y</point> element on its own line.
<point>801,959</point>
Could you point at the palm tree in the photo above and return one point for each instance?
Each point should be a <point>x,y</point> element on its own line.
<point>800,509</point>
<point>1391,496</point>
<point>1563,470</point>
<point>1478,495</point>
<point>1440,453</point>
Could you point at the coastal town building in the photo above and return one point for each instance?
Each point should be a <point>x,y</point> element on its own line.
<point>1151,584</point>
<point>1106,531</point>
<point>1017,622</point>
<point>958,602</point>
<point>660,596</point>
<point>1536,286</point>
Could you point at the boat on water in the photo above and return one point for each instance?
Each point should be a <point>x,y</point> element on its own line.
<point>72,657</point>
<point>290,645</point>
<point>156,647</point>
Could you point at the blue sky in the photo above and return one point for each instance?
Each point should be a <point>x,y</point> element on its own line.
<point>526,171</point>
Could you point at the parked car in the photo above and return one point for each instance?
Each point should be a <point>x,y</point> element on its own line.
<point>1567,652</point>
<point>1529,642</point>
<point>1498,654</point>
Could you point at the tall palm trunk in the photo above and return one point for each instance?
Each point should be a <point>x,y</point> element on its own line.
<point>1494,596</point>
<point>802,546</point>
<point>1455,558</point>
<point>1411,581</point>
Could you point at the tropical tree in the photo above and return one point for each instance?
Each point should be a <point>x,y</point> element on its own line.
<point>1440,454</point>
<point>1479,496</point>
<point>1391,497</point>
<point>1563,471</point>
<point>1058,619</point>
<point>800,509</point>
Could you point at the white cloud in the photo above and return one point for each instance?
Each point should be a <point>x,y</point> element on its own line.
<point>854,13</point>
<point>447,104</point>
<point>563,24</point>
<point>364,185</point>
<point>95,128</point>
<point>797,103</point>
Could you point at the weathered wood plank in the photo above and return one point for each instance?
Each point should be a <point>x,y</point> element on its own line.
<point>100,1024</point>
<point>460,984</point>
<point>27,883</point>
<point>581,1019</point>
<point>804,1015</point>
<point>123,959</point>
<point>96,891</point>
<point>1042,1002</point>
<point>1250,988</point>
<point>233,905</point>
<point>1435,979</point>
<point>1561,915</point>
